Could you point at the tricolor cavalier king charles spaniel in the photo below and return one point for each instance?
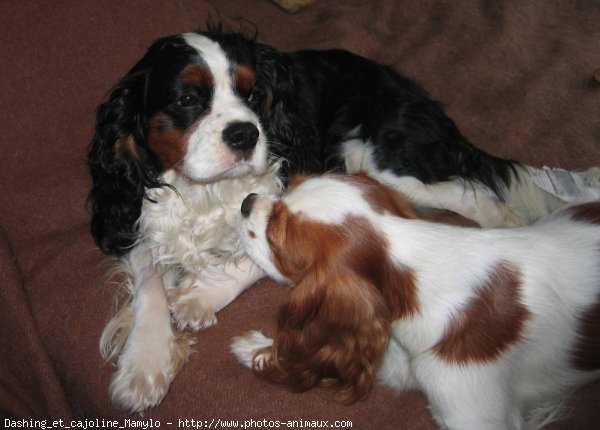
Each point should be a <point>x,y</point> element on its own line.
<point>494,326</point>
<point>205,118</point>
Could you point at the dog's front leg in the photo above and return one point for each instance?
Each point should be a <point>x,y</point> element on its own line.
<point>195,307</point>
<point>152,353</point>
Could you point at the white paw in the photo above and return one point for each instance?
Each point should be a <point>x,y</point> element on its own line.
<point>141,381</point>
<point>135,390</point>
<point>192,308</point>
<point>247,346</point>
<point>144,376</point>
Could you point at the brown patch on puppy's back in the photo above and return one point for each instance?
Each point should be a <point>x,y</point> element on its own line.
<point>491,322</point>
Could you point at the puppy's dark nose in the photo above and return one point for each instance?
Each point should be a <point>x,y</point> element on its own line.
<point>247,204</point>
<point>241,136</point>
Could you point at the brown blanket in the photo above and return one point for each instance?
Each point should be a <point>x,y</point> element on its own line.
<point>517,77</point>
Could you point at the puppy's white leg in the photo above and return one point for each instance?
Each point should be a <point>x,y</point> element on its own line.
<point>152,352</point>
<point>195,307</point>
<point>247,346</point>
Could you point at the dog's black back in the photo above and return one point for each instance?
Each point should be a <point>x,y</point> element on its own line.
<point>321,98</point>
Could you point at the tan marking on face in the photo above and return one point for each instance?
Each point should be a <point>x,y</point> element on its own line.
<point>198,76</point>
<point>166,142</point>
<point>244,77</point>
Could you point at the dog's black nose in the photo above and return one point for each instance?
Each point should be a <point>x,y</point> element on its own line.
<point>247,204</point>
<point>241,136</point>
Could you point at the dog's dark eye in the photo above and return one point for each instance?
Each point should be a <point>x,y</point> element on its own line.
<point>255,96</point>
<point>188,100</point>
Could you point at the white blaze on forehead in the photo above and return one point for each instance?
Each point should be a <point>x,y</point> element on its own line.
<point>214,57</point>
<point>327,200</point>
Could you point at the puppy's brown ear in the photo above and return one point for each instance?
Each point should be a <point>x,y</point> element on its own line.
<point>333,332</point>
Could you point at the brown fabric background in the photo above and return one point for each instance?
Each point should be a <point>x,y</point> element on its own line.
<point>515,75</point>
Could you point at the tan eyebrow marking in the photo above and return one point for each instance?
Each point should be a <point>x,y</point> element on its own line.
<point>244,77</point>
<point>199,76</point>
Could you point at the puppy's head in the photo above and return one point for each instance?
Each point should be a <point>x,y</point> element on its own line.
<point>316,223</point>
<point>188,106</point>
<point>322,238</point>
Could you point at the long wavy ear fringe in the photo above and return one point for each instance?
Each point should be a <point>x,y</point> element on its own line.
<point>121,166</point>
<point>331,334</point>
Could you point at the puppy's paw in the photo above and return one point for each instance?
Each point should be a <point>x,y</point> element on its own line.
<point>252,349</point>
<point>192,308</point>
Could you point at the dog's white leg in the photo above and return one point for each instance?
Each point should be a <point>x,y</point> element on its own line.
<point>195,307</point>
<point>152,352</point>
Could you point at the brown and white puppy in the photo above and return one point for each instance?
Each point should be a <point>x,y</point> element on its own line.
<point>495,326</point>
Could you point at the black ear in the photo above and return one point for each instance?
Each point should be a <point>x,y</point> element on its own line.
<point>286,110</point>
<point>274,76</point>
<point>120,163</point>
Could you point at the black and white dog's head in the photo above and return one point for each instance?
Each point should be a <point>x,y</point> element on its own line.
<point>196,103</point>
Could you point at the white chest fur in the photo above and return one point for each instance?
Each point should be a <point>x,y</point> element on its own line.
<point>193,225</point>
